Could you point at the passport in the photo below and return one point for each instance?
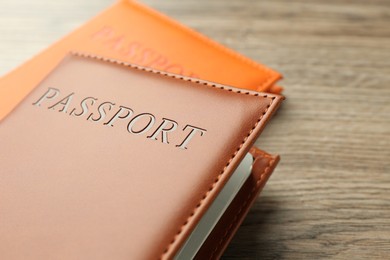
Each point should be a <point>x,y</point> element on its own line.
<point>105,159</point>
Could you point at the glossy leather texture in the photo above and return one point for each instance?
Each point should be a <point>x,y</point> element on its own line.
<point>75,187</point>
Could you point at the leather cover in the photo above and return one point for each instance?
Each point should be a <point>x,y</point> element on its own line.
<point>108,160</point>
<point>219,239</point>
<point>135,33</point>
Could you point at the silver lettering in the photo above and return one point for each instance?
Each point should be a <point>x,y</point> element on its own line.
<point>149,125</point>
<point>50,94</point>
<point>189,137</point>
<point>64,102</point>
<point>129,113</point>
<point>84,106</point>
<point>164,130</point>
<point>102,112</point>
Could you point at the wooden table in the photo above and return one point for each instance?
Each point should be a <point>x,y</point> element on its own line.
<point>330,195</point>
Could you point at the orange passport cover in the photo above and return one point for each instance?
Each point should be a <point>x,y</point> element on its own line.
<point>135,33</point>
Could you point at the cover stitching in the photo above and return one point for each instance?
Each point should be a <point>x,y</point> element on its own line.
<point>236,217</point>
<point>200,82</point>
<point>146,69</point>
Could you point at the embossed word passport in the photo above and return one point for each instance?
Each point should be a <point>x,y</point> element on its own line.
<point>108,160</point>
<point>132,32</point>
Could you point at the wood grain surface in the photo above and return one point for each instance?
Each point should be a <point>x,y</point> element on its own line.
<point>330,195</point>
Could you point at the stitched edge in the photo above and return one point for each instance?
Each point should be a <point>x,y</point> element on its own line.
<point>236,217</point>
<point>271,75</point>
<point>215,183</point>
<point>171,75</point>
<point>200,82</point>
